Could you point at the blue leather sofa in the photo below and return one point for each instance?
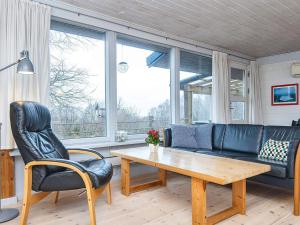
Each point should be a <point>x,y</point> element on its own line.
<point>243,142</point>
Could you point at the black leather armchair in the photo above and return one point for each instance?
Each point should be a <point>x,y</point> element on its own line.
<point>48,167</point>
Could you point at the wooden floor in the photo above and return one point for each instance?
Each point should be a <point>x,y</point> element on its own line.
<point>169,205</point>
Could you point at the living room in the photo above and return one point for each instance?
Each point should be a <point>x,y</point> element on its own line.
<point>149,112</point>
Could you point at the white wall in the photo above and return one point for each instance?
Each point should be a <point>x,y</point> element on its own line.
<point>275,70</point>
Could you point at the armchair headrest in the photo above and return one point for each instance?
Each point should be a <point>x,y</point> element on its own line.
<point>30,116</point>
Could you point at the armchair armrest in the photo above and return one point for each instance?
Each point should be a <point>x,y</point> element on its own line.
<point>86,151</point>
<point>72,165</point>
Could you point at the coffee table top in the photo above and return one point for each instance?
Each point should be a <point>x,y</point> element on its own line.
<point>213,169</point>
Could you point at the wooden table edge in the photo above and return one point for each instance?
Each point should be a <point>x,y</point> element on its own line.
<point>185,172</point>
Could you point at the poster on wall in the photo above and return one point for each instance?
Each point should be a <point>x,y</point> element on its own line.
<point>286,94</point>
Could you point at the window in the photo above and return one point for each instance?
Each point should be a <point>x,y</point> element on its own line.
<point>195,88</point>
<point>238,94</point>
<point>143,86</point>
<point>77,81</point>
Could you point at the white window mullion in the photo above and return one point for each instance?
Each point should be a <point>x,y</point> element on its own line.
<point>175,82</point>
<point>243,98</point>
<point>111,83</point>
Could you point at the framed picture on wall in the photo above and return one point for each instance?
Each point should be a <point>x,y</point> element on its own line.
<point>286,94</point>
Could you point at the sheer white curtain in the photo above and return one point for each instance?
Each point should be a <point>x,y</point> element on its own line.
<point>255,101</point>
<point>220,88</point>
<point>24,25</point>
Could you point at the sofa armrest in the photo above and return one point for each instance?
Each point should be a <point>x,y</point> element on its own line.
<point>167,137</point>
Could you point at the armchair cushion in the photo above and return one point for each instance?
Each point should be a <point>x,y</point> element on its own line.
<point>100,172</point>
<point>31,128</point>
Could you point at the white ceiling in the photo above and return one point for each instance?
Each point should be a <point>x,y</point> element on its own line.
<point>254,27</point>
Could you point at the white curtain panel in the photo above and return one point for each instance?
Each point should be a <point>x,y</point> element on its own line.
<point>255,101</point>
<point>24,25</point>
<point>220,88</point>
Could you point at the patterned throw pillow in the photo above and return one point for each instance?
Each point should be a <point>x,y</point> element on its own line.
<point>275,150</point>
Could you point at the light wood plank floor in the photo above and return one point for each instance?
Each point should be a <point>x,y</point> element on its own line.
<point>169,205</point>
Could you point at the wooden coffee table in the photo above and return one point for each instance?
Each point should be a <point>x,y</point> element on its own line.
<point>202,169</point>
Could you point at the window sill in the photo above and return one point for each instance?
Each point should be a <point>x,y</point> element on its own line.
<point>16,152</point>
<point>107,144</point>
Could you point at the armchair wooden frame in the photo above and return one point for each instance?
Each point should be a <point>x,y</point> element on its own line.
<point>92,194</point>
<point>297,184</point>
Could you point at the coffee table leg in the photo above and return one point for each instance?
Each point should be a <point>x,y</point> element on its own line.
<point>125,176</point>
<point>162,177</point>
<point>239,196</point>
<point>198,202</point>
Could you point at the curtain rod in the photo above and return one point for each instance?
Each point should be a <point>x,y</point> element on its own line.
<point>70,8</point>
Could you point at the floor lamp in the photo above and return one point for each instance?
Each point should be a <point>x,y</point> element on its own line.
<point>25,66</point>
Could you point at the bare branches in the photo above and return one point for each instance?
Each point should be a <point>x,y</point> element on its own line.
<point>62,41</point>
<point>68,83</point>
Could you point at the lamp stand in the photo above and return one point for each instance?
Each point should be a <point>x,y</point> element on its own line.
<point>24,67</point>
<point>5,214</point>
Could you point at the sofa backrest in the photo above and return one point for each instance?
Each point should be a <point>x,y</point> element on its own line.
<point>243,138</point>
<point>247,138</point>
<point>281,133</point>
<point>218,135</point>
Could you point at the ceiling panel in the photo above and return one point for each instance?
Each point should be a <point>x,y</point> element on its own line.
<point>256,28</point>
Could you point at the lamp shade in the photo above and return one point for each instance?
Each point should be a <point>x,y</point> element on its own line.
<point>25,66</point>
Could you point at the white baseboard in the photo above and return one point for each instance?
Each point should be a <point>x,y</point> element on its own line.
<point>9,201</point>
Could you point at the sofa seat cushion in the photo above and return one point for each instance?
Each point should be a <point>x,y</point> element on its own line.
<point>100,172</point>
<point>215,152</point>
<point>243,138</point>
<point>236,154</point>
<point>186,149</point>
<point>278,169</point>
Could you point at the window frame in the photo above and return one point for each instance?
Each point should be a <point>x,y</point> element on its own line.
<point>87,140</point>
<point>179,62</point>
<point>172,52</point>
<point>245,98</point>
<point>111,29</point>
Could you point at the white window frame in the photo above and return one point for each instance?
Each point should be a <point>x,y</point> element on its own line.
<point>77,16</point>
<point>175,84</point>
<point>93,140</point>
<point>245,98</point>
<point>173,62</point>
<point>195,53</point>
